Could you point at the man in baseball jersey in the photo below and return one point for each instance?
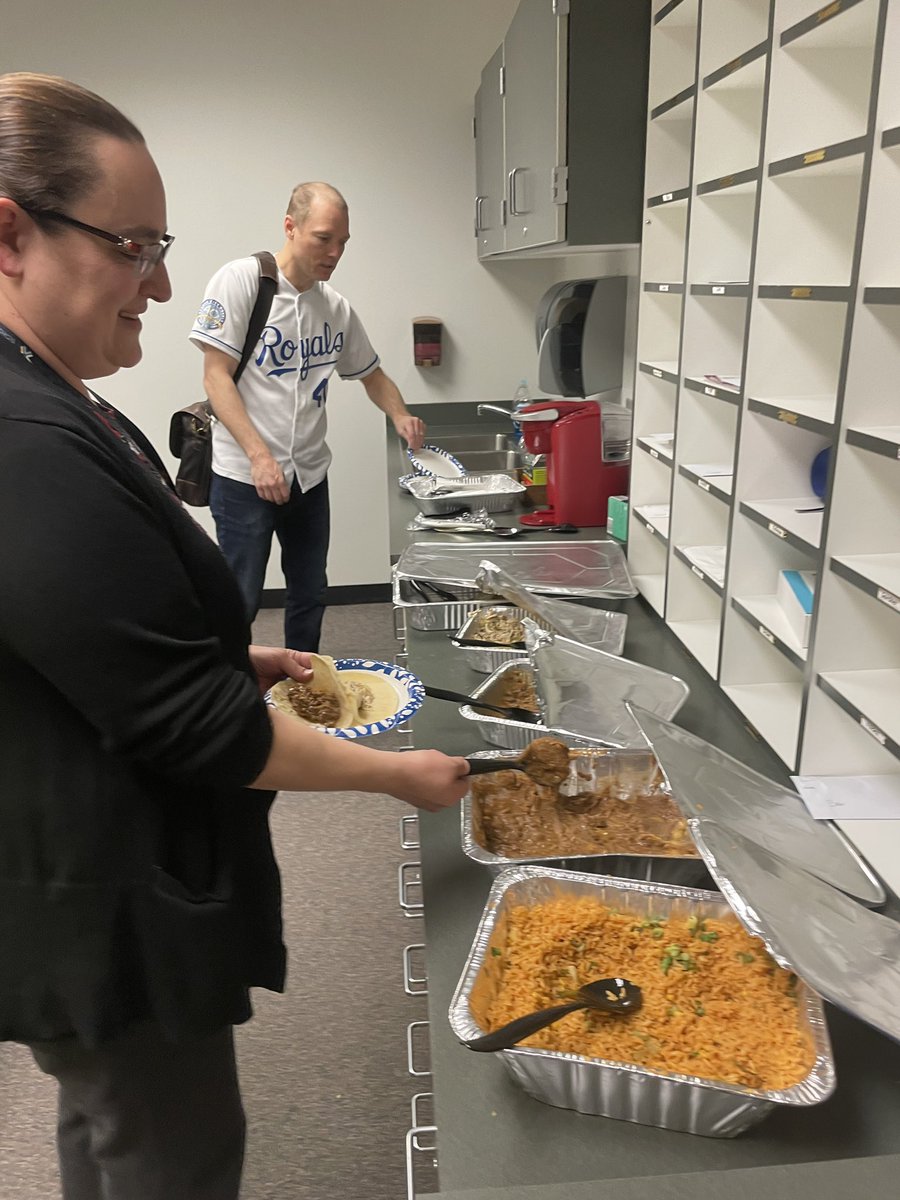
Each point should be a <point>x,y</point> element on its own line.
<point>270,458</point>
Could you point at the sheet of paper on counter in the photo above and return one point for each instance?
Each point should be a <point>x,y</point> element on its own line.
<point>850,797</point>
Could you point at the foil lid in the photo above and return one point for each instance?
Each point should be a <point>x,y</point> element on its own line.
<point>848,953</point>
<point>708,784</point>
<point>584,692</point>
<point>590,626</point>
<point>594,569</point>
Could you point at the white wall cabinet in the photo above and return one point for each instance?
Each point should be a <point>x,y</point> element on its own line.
<point>768,332</point>
<point>559,120</point>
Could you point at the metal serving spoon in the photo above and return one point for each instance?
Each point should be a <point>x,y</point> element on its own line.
<point>511,713</point>
<point>616,996</point>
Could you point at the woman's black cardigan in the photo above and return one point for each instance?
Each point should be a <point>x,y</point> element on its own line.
<point>137,877</point>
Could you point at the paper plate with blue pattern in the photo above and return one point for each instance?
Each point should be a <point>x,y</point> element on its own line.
<point>396,695</point>
<point>432,460</point>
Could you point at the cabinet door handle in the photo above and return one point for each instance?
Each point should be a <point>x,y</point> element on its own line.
<point>410,876</point>
<point>479,224</point>
<point>413,985</point>
<point>514,210</point>
<point>409,832</point>
<point>414,1144</point>
<point>411,1052</point>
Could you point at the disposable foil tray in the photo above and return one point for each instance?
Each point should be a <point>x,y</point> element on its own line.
<point>624,1091</point>
<point>595,569</point>
<point>412,609</point>
<point>602,629</point>
<point>634,767</point>
<point>494,493</point>
<point>500,731</point>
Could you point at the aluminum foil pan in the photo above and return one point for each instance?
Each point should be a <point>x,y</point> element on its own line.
<point>709,784</point>
<point>687,870</point>
<point>619,1090</point>
<point>497,730</point>
<point>489,657</point>
<point>595,627</point>
<point>413,610</point>
<point>494,493</point>
<point>595,569</point>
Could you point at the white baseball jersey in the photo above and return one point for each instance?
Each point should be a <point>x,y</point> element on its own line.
<point>307,337</point>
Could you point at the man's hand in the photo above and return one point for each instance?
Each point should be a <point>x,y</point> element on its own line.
<point>272,663</point>
<point>412,429</point>
<point>268,479</point>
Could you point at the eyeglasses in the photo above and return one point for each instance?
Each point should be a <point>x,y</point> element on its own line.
<point>146,256</point>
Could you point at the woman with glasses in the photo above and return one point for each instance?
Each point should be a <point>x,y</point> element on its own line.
<point>139,895</point>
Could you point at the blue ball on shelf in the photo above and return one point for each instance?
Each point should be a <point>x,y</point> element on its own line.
<point>818,474</point>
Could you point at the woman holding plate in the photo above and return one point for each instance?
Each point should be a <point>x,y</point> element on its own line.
<point>139,894</point>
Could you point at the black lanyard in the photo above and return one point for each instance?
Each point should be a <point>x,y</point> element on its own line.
<point>117,424</point>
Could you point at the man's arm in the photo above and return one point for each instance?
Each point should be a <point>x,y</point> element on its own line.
<point>226,402</point>
<point>385,394</point>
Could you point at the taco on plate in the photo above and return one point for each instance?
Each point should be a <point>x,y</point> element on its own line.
<point>324,700</point>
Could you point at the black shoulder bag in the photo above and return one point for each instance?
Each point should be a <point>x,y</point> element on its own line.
<point>190,430</point>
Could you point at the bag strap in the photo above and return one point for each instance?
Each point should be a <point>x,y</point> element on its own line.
<point>268,284</point>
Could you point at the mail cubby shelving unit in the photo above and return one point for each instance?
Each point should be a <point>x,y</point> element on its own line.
<point>853,716</point>
<point>783,243</point>
<point>670,126</point>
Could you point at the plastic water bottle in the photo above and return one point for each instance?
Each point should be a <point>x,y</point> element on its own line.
<point>519,400</point>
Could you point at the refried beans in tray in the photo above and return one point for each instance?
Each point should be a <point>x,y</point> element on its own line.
<point>618,811</point>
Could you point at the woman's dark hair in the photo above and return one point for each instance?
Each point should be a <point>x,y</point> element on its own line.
<point>47,126</point>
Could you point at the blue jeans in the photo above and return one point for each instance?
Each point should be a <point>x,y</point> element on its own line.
<point>244,527</point>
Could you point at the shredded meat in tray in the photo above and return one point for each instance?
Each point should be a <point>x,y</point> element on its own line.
<point>498,627</point>
<point>521,819</point>
<point>515,690</point>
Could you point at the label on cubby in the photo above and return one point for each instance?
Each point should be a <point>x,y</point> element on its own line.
<point>830,10</point>
<point>888,598</point>
<point>814,156</point>
<point>718,290</point>
<point>801,293</point>
<point>663,287</point>
<point>789,418</point>
<point>776,529</point>
<point>873,730</point>
<point>654,453</point>
<point>697,572</point>
<point>657,372</point>
<point>766,633</point>
<point>703,483</point>
<point>709,391</point>
<point>667,196</point>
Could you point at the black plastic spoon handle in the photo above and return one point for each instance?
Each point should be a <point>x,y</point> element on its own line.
<point>488,645</point>
<point>515,1031</point>
<point>483,766</point>
<point>508,711</point>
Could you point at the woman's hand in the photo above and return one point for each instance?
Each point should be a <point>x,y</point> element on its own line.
<point>430,780</point>
<point>272,663</point>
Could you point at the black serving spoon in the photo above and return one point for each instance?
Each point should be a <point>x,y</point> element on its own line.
<point>486,645</point>
<point>511,713</point>
<point>616,996</point>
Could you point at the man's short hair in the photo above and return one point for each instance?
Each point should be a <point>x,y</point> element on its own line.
<point>304,194</point>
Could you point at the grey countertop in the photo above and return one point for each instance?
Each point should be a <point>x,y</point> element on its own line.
<point>495,1141</point>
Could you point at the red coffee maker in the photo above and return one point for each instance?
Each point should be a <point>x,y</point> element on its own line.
<point>569,433</point>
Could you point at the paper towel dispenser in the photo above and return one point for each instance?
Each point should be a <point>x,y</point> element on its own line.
<point>581,336</point>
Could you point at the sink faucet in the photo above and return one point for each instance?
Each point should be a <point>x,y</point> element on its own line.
<point>494,408</point>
